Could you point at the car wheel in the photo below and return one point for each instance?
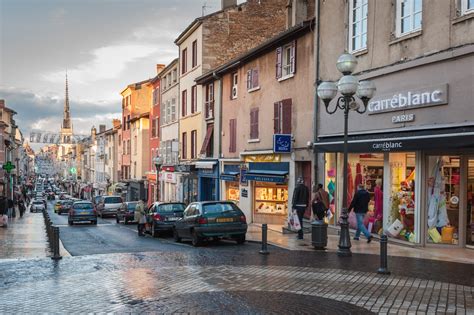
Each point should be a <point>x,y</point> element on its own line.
<point>70,222</point>
<point>240,239</point>
<point>176,237</point>
<point>196,240</point>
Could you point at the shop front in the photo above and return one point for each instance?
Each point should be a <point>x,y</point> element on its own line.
<point>208,180</point>
<point>136,190</point>
<point>168,181</point>
<point>413,150</point>
<point>187,183</point>
<point>230,182</point>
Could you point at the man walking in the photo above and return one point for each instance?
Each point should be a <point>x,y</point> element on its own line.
<point>11,208</point>
<point>360,204</point>
<point>300,202</point>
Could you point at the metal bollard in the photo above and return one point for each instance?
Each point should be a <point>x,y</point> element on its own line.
<point>55,243</point>
<point>264,250</point>
<point>383,256</point>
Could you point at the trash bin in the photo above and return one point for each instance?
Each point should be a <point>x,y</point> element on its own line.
<point>319,234</point>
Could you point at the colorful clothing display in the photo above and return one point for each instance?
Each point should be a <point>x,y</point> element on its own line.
<point>437,212</point>
<point>378,203</point>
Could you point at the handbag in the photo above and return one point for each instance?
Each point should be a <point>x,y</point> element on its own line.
<point>352,220</point>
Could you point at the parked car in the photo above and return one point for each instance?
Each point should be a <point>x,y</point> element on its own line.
<point>109,205</point>
<point>37,206</point>
<point>65,206</point>
<point>211,219</point>
<point>126,212</point>
<point>82,211</point>
<point>96,200</point>
<point>162,216</point>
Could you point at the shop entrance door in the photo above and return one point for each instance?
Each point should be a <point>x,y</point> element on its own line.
<point>470,204</point>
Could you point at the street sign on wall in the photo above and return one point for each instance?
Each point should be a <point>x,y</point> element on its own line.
<point>281,143</point>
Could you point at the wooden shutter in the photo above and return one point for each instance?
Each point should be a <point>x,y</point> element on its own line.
<point>192,98</point>
<point>207,139</point>
<point>286,116</point>
<point>232,135</point>
<point>173,109</point>
<point>183,103</point>
<point>279,56</point>
<point>157,127</point>
<point>153,128</point>
<point>254,78</point>
<point>254,123</point>
<point>276,117</point>
<point>184,149</point>
<point>293,57</point>
<point>249,79</point>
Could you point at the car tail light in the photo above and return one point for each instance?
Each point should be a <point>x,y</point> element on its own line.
<point>242,219</point>
<point>158,217</point>
<point>202,221</point>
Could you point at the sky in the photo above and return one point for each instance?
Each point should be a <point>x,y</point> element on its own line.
<point>104,45</point>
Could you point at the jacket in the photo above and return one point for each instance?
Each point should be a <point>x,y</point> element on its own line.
<point>300,195</point>
<point>139,212</point>
<point>323,197</point>
<point>360,202</point>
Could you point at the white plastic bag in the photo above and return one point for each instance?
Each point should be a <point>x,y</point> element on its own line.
<point>395,228</point>
<point>294,221</point>
<point>4,220</point>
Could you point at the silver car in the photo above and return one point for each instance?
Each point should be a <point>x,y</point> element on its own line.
<point>109,205</point>
<point>37,206</point>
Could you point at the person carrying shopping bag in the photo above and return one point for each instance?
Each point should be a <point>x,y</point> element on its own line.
<point>140,218</point>
<point>360,204</point>
<point>300,202</point>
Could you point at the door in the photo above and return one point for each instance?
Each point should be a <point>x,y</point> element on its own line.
<point>470,203</point>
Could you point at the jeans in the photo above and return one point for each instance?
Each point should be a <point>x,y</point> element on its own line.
<point>141,229</point>
<point>10,212</point>
<point>360,226</point>
<point>300,212</point>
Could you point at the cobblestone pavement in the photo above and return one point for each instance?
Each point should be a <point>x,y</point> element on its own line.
<point>218,283</point>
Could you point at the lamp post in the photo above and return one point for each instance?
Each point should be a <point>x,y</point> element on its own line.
<point>348,86</point>
<point>158,161</point>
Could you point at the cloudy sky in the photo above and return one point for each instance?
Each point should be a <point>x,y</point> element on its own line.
<point>103,44</point>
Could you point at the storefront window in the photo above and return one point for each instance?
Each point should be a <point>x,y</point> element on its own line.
<point>271,198</point>
<point>330,183</point>
<point>232,191</point>
<point>402,205</point>
<point>470,203</point>
<point>443,199</point>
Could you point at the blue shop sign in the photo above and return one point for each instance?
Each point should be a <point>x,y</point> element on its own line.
<point>281,143</point>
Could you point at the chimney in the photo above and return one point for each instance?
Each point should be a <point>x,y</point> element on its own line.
<point>101,128</point>
<point>228,3</point>
<point>2,103</point>
<point>116,123</point>
<point>159,68</point>
<point>297,12</point>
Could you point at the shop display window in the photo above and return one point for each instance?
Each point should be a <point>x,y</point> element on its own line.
<point>443,199</point>
<point>402,207</point>
<point>233,192</point>
<point>271,198</point>
<point>330,183</point>
<point>470,203</point>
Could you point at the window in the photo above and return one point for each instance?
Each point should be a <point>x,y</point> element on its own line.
<point>184,97</point>
<point>282,117</point>
<point>124,124</point>
<point>193,144</point>
<point>153,128</point>
<point>129,147</point>
<point>408,16</point>
<point>195,57</point>
<point>286,60</point>
<point>124,147</point>
<point>358,25</point>
<point>233,90</point>
<point>173,109</point>
<point>184,56</point>
<point>184,152</point>
<point>193,99</point>
<point>135,145</point>
<point>210,100</point>
<point>156,96</point>
<point>168,111</point>
<point>163,114</point>
<point>128,122</point>
<point>467,6</point>
<point>175,75</point>
<point>157,123</point>
<point>252,79</point>
<point>254,123</point>
<point>232,135</point>
<point>168,80</point>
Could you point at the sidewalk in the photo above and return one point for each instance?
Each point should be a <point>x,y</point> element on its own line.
<point>289,241</point>
<point>24,237</point>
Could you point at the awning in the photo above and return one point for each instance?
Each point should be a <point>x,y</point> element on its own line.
<point>453,138</point>
<point>267,176</point>
<point>230,176</point>
<point>207,139</point>
<point>205,164</point>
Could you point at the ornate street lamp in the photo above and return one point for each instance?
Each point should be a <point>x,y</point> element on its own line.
<point>158,161</point>
<point>347,86</point>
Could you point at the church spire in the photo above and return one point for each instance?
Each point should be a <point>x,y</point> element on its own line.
<point>66,114</point>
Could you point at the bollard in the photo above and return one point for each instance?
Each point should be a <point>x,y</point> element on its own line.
<point>55,243</point>
<point>264,250</point>
<point>383,256</point>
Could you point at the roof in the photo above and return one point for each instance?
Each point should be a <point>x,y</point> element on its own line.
<point>168,67</point>
<point>147,114</point>
<point>132,85</point>
<point>285,36</point>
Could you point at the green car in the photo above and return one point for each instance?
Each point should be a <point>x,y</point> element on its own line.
<point>211,219</point>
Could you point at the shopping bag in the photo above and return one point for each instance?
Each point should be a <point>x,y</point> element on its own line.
<point>434,235</point>
<point>395,228</point>
<point>294,221</point>
<point>352,220</point>
<point>4,220</point>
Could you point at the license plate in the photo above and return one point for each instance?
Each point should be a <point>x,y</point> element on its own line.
<point>171,219</point>
<point>84,212</point>
<point>223,220</point>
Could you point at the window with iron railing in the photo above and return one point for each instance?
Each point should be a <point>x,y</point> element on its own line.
<point>209,101</point>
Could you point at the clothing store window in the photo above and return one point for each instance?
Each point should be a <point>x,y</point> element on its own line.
<point>443,196</point>
<point>330,184</point>
<point>402,210</point>
<point>470,203</point>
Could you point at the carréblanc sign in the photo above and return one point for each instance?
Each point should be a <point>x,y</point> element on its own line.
<point>429,96</point>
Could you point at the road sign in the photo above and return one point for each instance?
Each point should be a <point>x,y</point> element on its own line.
<point>8,167</point>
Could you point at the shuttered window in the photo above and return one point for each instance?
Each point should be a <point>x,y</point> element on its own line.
<point>193,99</point>
<point>286,60</point>
<point>184,148</point>
<point>282,117</point>
<point>173,109</point>
<point>254,123</point>
<point>157,123</point>
<point>252,79</point>
<point>153,128</point>
<point>232,135</point>
<point>195,58</point>
<point>184,97</point>
<point>193,144</point>
<point>184,57</point>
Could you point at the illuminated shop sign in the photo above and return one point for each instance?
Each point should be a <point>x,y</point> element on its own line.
<point>430,96</point>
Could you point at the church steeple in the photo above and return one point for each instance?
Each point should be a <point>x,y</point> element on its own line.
<point>66,114</point>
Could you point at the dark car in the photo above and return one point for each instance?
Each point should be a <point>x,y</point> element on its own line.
<point>161,217</point>
<point>65,206</point>
<point>82,211</point>
<point>211,219</point>
<point>126,212</point>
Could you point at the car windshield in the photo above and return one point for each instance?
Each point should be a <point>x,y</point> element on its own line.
<point>219,207</point>
<point>113,200</point>
<point>132,206</point>
<point>171,207</point>
<point>37,203</point>
<point>83,206</point>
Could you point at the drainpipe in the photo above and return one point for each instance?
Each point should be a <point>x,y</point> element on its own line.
<point>219,153</point>
<point>316,99</point>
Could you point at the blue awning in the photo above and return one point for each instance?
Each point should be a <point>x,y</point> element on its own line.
<point>230,176</point>
<point>271,176</point>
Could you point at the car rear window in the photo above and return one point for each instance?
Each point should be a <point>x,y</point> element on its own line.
<point>219,207</point>
<point>83,206</point>
<point>171,207</point>
<point>132,206</point>
<point>37,202</point>
<point>113,200</point>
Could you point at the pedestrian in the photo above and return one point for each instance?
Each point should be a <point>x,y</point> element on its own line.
<point>140,218</point>
<point>3,211</point>
<point>11,207</point>
<point>21,207</point>
<point>323,196</point>
<point>317,205</point>
<point>300,202</point>
<point>360,205</point>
